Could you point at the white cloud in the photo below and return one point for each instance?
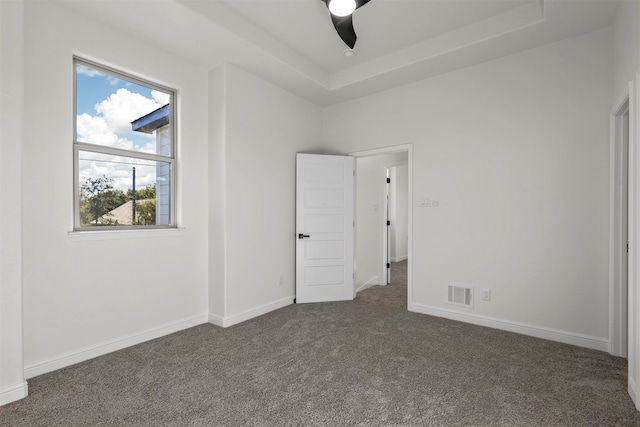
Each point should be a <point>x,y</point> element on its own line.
<point>160,97</point>
<point>96,130</point>
<point>90,72</point>
<point>123,107</point>
<point>119,169</point>
<point>149,147</point>
<point>113,81</point>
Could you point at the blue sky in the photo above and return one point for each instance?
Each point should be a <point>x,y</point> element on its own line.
<point>94,89</point>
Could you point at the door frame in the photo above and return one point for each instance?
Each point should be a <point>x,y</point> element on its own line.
<point>633,344</point>
<point>619,222</point>
<point>408,148</point>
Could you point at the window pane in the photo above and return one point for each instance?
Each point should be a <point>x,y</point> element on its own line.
<point>107,196</point>
<point>115,112</point>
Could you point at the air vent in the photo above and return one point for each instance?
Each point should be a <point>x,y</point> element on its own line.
<point>460,295</point>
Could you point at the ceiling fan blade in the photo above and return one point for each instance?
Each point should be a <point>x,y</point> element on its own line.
<point>344,24</point>
<point>344,27</point>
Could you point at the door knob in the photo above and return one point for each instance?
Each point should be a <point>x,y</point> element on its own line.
<point>302,236</point>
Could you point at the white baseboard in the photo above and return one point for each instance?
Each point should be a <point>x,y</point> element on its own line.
<point>565,337</point>
<point>234,319</point>
<point>375,280</point>
<point>631,388</point>
<point>214,319</point>
<point>13,393</point>
<point>73,357</point>
<point>399,258</point>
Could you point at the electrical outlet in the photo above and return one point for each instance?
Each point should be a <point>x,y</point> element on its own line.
<point>486,295</point>
<point>280,280</point>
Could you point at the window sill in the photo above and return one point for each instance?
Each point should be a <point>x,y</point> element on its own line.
<point>88,235</point>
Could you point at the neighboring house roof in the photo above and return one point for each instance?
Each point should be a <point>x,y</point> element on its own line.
<point>122,214</point>
<point>152,121</point>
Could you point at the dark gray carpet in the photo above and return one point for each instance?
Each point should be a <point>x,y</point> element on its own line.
<point>366,362</point>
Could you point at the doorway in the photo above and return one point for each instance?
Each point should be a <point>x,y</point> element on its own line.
<point>378,245</point>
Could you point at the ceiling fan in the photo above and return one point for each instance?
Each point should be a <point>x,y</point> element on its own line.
<point>341,14</point>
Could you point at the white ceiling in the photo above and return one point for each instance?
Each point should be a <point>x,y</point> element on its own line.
<point>384,26</point>
<point>293,44</point>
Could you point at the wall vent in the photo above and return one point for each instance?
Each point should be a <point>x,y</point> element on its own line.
<point>460,295</point>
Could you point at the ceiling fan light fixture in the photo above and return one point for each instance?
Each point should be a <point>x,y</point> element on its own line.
<point>342,7</point>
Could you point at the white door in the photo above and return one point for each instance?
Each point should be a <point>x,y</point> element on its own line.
<point>324,228</point>
<point>387,200</point>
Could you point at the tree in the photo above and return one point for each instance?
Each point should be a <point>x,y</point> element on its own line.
<point>145,212</point>
<point>97,199</point>
<point>148,192</point>
<point>145,205</point>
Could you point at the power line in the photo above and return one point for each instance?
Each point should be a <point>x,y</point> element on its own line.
<point>121,163</point>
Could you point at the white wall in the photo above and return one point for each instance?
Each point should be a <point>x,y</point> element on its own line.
<point>217,210</point>
<point>84,297</point>
<point>516,152</point>
<point>12,384</point>
<point>264,126</point>
<point>369,217</point>
<point>626,45</point>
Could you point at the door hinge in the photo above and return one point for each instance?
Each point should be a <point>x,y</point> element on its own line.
<point>388,222</point>
<point>388,180</point>
<point>388,265</point>
<point>627,248</point>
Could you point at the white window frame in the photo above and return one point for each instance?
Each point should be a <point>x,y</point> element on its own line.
<point>101,149</point>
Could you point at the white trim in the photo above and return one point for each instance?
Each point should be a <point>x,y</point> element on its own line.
<point>13,393</point>
<point>617,256</point>
<point>83,236</point>
<point>80,355</point>
<point>375,280</point>
<point>565,337</point>
<point>384,150</point>
<point>225,322</point>
<point>216,320</point>
<point>633,350</point>
<point>631,389</point>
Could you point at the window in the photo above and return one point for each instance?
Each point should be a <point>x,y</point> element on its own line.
<point>124,150</point>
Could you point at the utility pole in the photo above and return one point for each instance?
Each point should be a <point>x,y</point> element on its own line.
<point>133,198</point>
